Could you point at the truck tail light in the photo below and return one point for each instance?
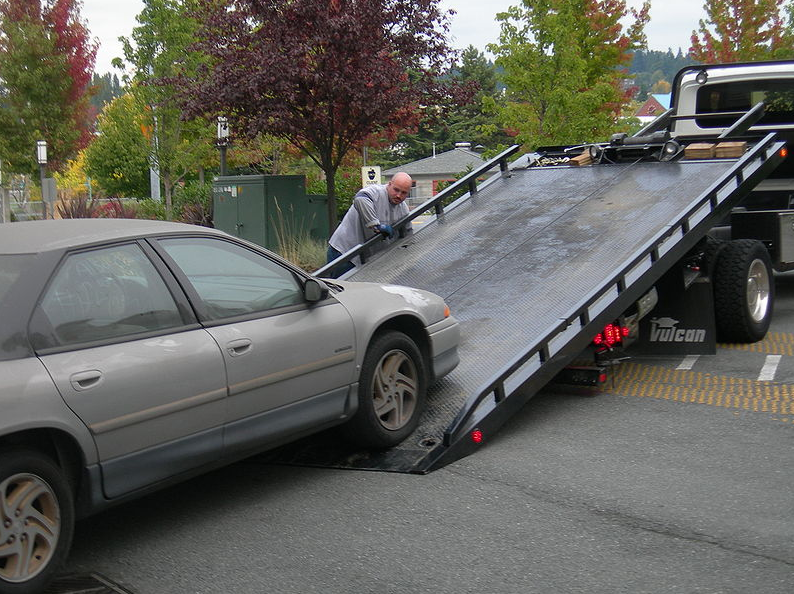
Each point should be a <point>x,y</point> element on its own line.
<point>611,335</point>
<point>477,436</point>
<point>784,152</point>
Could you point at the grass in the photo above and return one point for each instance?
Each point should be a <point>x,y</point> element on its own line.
<point>295,242</point>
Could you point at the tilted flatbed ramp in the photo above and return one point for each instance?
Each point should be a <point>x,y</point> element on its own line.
<point>533,265</point>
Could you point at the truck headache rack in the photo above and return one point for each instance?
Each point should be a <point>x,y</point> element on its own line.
<point>533,263</point>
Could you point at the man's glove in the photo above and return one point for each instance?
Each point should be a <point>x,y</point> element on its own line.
<point>385,230</point>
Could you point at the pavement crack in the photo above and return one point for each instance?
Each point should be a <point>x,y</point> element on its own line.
<point>625,519</point>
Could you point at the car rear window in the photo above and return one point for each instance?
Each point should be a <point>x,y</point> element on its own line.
<point>735,97</point>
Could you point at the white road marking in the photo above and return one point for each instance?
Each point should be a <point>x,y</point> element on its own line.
<point>688,362</point>
<point>770,368</point>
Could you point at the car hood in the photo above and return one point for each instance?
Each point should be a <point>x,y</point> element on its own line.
<point>378,302</point>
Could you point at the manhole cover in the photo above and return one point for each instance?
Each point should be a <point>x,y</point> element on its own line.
<point>89,583</point>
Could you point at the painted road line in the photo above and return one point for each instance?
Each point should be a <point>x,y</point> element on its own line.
<point>688,362</point>
<point>770,368</point>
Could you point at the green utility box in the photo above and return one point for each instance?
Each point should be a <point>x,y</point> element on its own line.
<point>262,208</point>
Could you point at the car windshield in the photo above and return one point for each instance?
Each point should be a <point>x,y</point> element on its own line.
<point>11,267</point>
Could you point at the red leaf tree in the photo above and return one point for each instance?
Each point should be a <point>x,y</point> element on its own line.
<point>46,63</point>
<point>322,74</point>
<point>742,31</point>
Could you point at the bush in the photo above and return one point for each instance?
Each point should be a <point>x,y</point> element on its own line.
<point>79,208</point>
<point>151,209</point>
<point>193,203</point>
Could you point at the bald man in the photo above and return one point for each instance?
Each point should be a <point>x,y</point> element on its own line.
<point>374,210</point>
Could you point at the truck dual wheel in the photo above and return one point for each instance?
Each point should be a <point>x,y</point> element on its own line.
<point>391,392</point>
<point>36,521</point>
<point>743,291</point>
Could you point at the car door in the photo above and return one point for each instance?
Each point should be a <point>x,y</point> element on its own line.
<point>290,363</point>
<point>146,379</point>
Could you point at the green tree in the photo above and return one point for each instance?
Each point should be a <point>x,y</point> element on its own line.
<point>743,31</point>
<point>462,121</point>
<point>564,65</point>
<point>107,87</point>
<point>118,158</point>
<point>325,76</point>
<point>157,53</point>
<point>46,59</point>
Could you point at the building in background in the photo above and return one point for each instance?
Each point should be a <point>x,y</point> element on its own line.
<point>429,172</point>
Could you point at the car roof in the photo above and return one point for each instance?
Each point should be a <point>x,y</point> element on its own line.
<point>30,237</point>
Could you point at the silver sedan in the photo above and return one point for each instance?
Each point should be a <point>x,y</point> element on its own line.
<point>134,354</point>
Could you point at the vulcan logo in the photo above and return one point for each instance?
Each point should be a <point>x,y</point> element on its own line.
<point>666,330</point>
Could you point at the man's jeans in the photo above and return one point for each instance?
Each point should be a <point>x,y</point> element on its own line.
<point>338,271</point>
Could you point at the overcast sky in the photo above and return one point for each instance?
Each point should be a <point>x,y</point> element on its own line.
<point>672,22</point>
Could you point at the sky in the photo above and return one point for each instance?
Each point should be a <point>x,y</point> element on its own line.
<point>671,25</point>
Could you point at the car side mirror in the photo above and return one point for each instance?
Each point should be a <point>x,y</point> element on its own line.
<point>315,290</point>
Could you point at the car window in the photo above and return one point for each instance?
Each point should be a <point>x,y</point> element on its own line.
<point>232,280</point>
<point>107,293</point>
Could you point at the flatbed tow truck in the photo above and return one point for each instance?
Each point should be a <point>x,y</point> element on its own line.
<point>536,260</point>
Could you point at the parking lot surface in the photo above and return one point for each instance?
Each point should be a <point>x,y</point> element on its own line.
<point>678,477</point>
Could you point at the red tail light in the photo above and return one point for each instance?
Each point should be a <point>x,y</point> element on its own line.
<point>611,335</point>
<point>784,152</point>
<point>477,436</point>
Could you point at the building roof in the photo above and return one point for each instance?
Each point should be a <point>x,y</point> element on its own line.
<point>654,105</point>
<point>449,162</point>
<point>663,99</point>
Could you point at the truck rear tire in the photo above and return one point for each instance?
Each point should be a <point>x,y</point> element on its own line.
<point>744,291</point>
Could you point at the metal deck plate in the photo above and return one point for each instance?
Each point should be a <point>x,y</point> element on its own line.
<point>515,259</point>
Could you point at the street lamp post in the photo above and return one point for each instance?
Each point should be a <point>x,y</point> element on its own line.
<point>41,157</point>
<point>223,141</point>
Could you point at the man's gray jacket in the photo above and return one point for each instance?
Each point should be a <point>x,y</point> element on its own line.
<point>370,207</point>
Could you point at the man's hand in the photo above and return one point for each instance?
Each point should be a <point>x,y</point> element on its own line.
<point>385,230</point>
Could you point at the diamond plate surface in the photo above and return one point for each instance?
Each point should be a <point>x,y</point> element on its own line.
<point>524,251</point>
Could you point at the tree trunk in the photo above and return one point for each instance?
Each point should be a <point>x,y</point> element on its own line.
<point>168,186</point>
<point>330,191</point>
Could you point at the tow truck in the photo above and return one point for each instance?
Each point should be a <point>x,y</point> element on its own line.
<point>618,240</point>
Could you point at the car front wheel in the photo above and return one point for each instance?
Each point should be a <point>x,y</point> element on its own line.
<point>392,390</point>
<point>36,521</point>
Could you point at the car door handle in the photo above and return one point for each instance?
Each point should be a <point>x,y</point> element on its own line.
<point>84,380</point>
<point>239,347</point>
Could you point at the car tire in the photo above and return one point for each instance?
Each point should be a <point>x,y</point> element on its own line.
<point>744,291</point>
<point>391,392</point>
<point>36,521</point>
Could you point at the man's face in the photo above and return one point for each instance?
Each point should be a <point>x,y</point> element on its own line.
<point>398,190</point>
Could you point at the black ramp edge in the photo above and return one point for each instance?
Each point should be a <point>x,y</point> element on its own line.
<point>513,259</point>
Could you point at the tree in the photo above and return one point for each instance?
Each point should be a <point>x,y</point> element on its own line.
<point>324,76</point>
<point>108,87</point>
<point>564,67</point>
<point>46,60</point>
<point>158,53</point>
<point>464,121</point>
<point>742,31</point>
<point>118,158</point>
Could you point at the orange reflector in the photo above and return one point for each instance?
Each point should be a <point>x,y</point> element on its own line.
<point>784,152</point>
<point>447,311</point>
<point>477,436</point>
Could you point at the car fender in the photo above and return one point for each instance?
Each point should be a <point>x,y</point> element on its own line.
<point>30,401</point>
<point>372,305</point>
